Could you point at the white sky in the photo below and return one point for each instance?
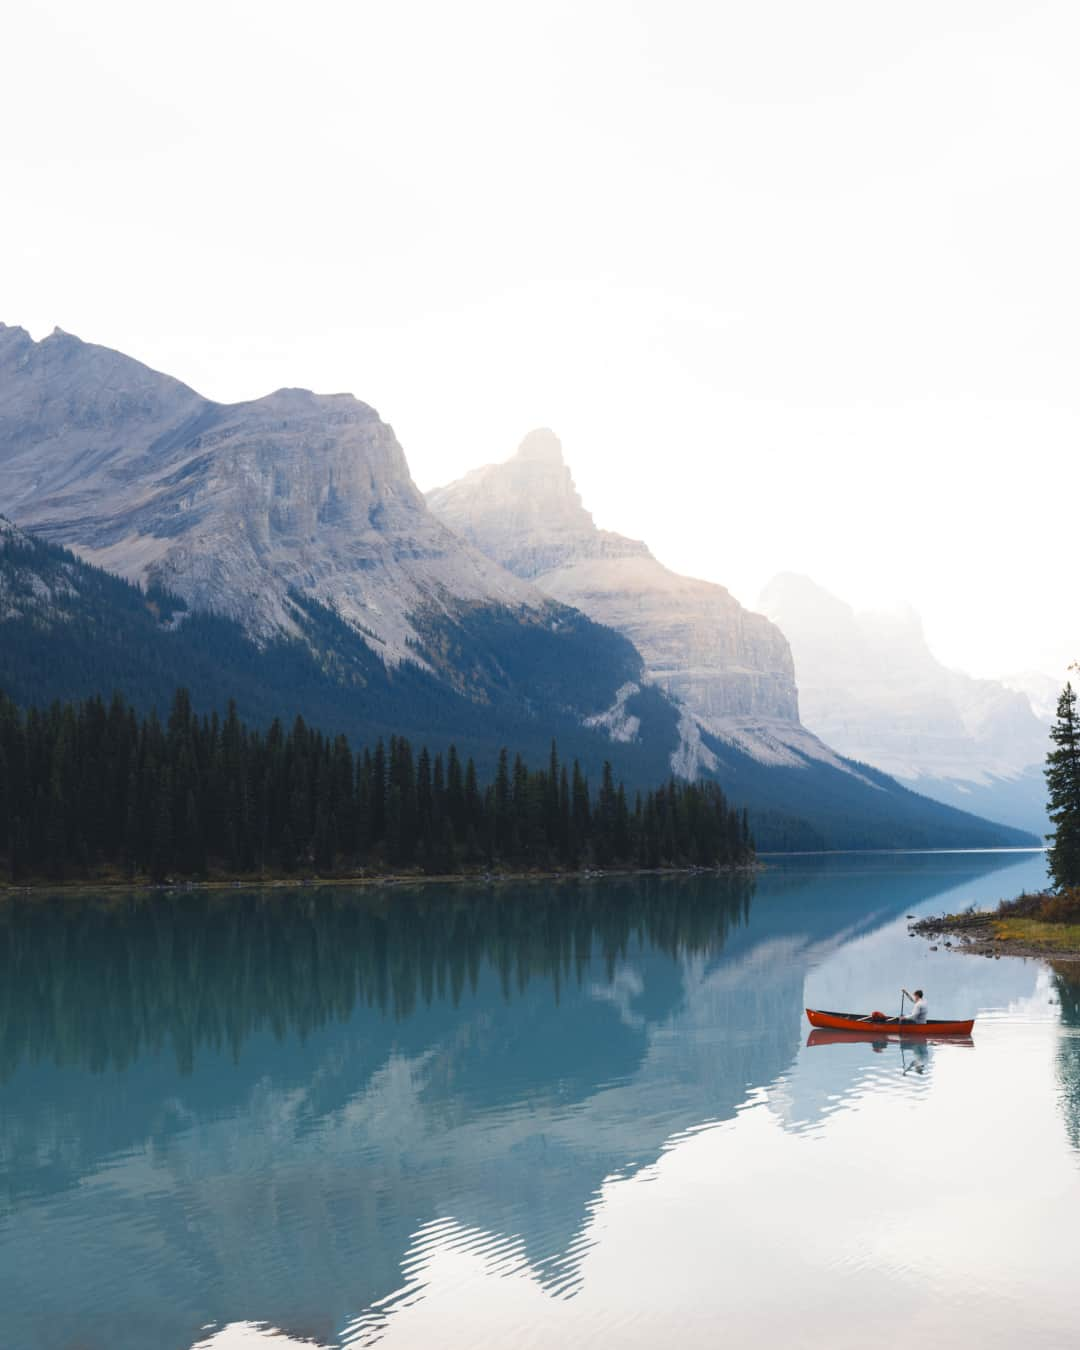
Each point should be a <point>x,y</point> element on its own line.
<point>796,283</point>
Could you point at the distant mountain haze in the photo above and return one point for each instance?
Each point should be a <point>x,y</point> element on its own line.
<point>1042,691</point>
<point>871,687</point>
<point>730,669</point>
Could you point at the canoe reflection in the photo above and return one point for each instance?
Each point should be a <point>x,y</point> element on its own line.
<point>879,1039</point>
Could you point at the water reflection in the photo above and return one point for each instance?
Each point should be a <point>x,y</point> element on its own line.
<point>295,1106</point>
<point>912,1054</point>
<point>1067,988</point>
<point>99,982</point>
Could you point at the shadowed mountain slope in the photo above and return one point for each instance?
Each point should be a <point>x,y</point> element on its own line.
<point>69,630</point>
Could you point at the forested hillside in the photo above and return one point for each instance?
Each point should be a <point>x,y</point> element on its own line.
<point>89,787</point>
<point>69,631</point>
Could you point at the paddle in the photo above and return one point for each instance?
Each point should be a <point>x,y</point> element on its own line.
<point>903,994</point>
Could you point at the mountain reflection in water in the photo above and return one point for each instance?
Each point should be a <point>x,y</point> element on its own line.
<point>227,1106</point>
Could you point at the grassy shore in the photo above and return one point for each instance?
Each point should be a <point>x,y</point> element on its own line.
<point>1046,925</point>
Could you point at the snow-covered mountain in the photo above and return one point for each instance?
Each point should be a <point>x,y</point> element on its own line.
<point>871,687</point>
<point>730,669</point>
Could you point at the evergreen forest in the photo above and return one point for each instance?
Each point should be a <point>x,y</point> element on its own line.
<point>93,789</point>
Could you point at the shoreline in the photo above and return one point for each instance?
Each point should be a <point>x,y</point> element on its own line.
<point>360,881</point>
<point>986,933</point>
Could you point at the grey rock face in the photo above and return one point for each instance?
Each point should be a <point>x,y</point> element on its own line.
<point>75,418</point>
<point>231,506</point>
<point>527,513</point>
<point>731,669</point>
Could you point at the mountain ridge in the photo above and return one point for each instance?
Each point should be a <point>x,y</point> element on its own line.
<point>871,686</point>
<point>229,505</point>
<point>69,630</point>
<point>730,669</point>
<point>291,554</point>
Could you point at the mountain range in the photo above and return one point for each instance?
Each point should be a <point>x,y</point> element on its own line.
<point>730,671</point>
<point>232,506</point>
<point>870,685</point>
<point>279,551</point>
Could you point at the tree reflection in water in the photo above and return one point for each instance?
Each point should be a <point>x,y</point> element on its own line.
<point>97,984</point>
<point>1067,982</point>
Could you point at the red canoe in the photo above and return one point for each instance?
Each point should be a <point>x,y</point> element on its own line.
<point>837,1021</point>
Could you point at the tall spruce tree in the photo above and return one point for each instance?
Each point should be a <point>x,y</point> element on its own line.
<point>1063,788</point>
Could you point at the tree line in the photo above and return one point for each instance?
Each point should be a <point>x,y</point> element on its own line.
<point>1063,791</point>
<point>90,787</point>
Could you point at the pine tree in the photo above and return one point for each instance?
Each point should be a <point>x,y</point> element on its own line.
<point>377,805</point>
<point>474,801</point>
<point>551,799</point>
<point>564,833</point>
<point>455,791</point>
<point>1063,787</point>
<point>423,806</point>
<point>502,822</point>
<point>604,819</point>
<point>162,846</point>
<point>580,821</point>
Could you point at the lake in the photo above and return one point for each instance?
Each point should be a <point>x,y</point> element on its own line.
<point>578,1113</point>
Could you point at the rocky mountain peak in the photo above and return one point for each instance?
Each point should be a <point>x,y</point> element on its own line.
<point>14,343</point>
<point>541,444</point>
<point>232,506</point>
<point>306,400</point>
<point>527,511</point>
<point>732,670</point>
<point>796,602</point>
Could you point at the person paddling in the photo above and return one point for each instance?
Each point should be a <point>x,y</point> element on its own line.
<point>918,1006</point>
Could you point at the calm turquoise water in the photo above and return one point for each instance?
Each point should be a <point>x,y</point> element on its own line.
<point>548,1115</point>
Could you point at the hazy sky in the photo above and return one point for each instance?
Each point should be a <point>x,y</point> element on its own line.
<point>796,283</point>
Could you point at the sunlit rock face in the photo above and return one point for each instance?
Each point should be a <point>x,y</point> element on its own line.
<point>527,513</point>
<point>870,685</point>
<point>231,506</point>
<point>731,669</point>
